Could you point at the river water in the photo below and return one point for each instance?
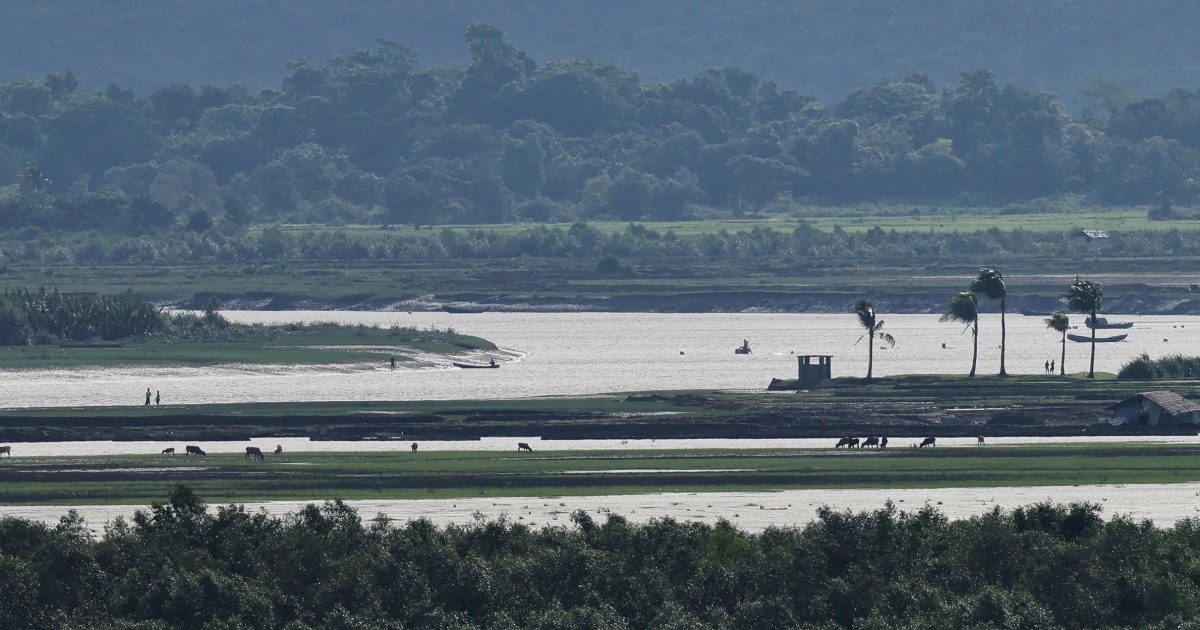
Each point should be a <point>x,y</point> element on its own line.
<point>572,354</point>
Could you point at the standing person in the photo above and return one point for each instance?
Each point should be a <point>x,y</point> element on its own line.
<point>157,398</point>
<point>1046,367</point>
<point>147,396</point>
<point>393,359</point>
<point>1051,366</point>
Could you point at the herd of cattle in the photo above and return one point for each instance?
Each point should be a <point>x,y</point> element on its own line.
<point>257,454</point>
<point>882,442</point>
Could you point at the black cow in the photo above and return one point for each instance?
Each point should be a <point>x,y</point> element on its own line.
<point>169,451</point>
<point>928,442</point>
<point>255,452</point>
<point>194,450</point>
<point>522,446</point>
<point>871,441</point>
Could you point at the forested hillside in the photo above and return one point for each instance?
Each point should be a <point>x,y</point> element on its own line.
<point>823,48</point>
<point>375,137</point>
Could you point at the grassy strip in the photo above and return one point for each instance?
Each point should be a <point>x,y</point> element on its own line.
<point>279,345</point>
<point>405,475</point>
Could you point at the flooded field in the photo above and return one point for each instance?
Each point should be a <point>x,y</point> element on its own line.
<point>1164,504</point>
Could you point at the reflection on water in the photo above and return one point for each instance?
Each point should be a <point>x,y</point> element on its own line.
<point>571,354</point>
<point>1164,504</point>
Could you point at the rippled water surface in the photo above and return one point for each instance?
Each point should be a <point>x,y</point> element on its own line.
<point>565,354</point>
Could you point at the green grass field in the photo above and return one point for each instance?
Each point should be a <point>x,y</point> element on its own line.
<point>401,474</point>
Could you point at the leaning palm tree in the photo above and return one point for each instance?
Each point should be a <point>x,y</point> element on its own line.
<point>964,308</point>
<point>990,282</point>
<point>1085,296</point>
<point>1060,323</point>
<point>866,317</point>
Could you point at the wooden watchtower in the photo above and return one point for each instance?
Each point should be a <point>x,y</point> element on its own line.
<point>815,367</point>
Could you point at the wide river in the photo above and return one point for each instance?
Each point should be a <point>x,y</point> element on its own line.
<point>570,354</point>
<point>566,354</point>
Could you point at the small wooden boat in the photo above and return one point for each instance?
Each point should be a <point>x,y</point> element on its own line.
<point>464,309</point>
<point>1088,339</point>
<point>472,366</point>
<point>1102,323</point>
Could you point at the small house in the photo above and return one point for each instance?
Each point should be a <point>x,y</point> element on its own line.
<point>815,367</point>
<point>1154,409</point>
<point>1090,236</point>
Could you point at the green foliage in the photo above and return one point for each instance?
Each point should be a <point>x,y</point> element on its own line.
<point>371,137</point>
<point>1173,366</point>
<point>181,564</point>
<point>51,317</point>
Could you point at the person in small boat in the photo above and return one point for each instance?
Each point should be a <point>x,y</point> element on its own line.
<point>492,362</point>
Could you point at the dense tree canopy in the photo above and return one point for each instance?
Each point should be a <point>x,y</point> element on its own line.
<point>372,137</point>
<point>181,565</point>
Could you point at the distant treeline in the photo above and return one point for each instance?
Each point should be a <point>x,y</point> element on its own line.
<point>179,566</point>
<point>372,137</point>
<point>803,246</point>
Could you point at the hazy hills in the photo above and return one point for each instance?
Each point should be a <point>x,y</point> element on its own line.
<point>824,48</point>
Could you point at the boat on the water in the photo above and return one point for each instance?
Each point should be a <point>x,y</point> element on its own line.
<point>464,309</point>
<point>472,366</point>
<point>1088,339</point>
<point>1102,323</point>
<point>744,348</point>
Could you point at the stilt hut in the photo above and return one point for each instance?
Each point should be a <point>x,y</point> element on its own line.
<point>1155,409</point>
<point>815,367</point>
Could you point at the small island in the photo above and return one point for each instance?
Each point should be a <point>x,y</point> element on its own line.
<point>49,329</point>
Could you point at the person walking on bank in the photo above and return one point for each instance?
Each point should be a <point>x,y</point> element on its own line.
<point>157,398</point>
<point>147,396</point>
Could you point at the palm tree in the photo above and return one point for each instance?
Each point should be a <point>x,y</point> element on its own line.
<point>990,282</point>
<point>964,308</point>
<point>1060,323</point>
<point>866,317</point>
<point>1085,296</point>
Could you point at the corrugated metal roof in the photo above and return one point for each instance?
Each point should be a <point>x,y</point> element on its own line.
<point>1171,402</point>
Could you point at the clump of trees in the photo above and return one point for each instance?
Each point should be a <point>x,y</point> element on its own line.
<point>42,317</point>
<point>1168,367</point>
<point>181,565</point>
<point>374,137</point>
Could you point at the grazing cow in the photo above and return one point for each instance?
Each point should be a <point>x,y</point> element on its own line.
<point>194,450</point>
<point>979,440</point>
<point>279,449</point>
<point>6,450</point>
<point>883,442</point>
<point>255,452</point>
<point>871,441</point>
<point>169,451</point>
<point>522,446</point>
<point>843,442</point>
<point>414,447</point>
<point>928,442</point>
